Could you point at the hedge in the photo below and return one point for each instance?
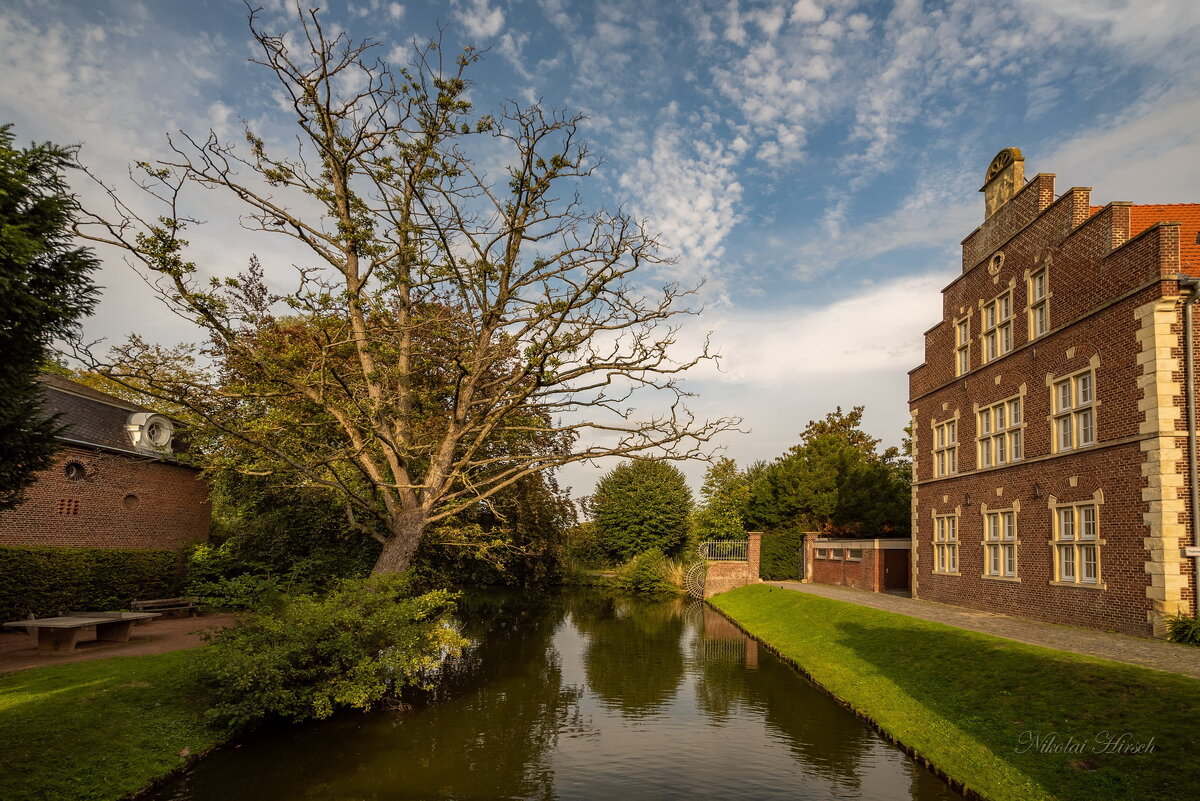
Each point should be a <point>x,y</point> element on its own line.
<point>780,559</point>
<point>46,581</point>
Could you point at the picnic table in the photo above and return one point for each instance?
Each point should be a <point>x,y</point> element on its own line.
<point>61,633</point>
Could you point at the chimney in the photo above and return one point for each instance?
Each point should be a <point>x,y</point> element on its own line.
<point>1005,177</point>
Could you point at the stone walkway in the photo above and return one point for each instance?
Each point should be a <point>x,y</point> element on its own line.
<point>1140,651</point>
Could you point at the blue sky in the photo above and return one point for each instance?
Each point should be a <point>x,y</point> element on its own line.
<point>815,163</point>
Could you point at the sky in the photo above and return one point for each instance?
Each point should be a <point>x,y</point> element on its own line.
<point>814,164</point>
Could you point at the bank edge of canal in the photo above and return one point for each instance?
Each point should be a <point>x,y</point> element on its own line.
<point>997,719</point>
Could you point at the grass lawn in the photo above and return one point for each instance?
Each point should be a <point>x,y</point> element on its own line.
<point>97,730</point>
<point>970,702</point>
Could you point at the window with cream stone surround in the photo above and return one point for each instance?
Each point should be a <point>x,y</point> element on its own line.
<point>1000,542</point>
<point>1073,399</point>
<point>945,544</point>
<point>1076,542</point>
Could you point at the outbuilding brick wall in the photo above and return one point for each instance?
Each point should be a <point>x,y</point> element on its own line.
<point>122,501</point>
<point>863,574</point>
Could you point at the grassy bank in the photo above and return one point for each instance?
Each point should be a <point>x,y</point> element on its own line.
<point>97,730</point>
<point>973,703</point>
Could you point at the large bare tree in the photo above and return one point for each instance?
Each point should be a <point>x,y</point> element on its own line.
<point>454,331</point>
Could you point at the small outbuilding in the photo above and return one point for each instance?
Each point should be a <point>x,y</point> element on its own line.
<point>875,565</point>
<point>116,482</point>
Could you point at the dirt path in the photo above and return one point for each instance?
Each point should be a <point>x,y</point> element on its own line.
<point>19,651</point>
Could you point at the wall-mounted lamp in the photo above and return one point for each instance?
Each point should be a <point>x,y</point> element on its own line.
<point>966,499</point>
<point>1037,490</point>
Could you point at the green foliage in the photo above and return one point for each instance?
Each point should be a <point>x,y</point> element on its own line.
<point>299,534</point>
<point>270,540</point>
<point>726,496</point>
<point>46,581</point>
<point>308,655</point>
<point>648,573</point>
<point>44,289</point>
<point>516,538</point>
<point>234,592</point>
<point>1184,629</point>
<point>834,481</point>
<point>585,547</point>
<point>780,557</point>
<point>796,490</point>
<point>642,505</point>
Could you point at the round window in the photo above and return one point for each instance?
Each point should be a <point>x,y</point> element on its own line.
<point>131,501</point>
<point>74,471</point>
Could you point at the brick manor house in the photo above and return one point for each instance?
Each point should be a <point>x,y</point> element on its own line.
<point>1053,427</point>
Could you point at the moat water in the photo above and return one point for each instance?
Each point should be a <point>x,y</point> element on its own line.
<point>583,695</point>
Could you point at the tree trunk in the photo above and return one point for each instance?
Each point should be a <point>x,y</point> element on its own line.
<point>398,551</point>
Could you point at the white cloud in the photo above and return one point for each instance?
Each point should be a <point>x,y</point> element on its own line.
<point>807,11</point>
<point>687,186</point>
<point>480,19</point>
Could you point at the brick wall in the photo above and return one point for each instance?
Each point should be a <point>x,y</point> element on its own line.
<point>724,576</point>
<point>120,502</point>
<point>864,574</point>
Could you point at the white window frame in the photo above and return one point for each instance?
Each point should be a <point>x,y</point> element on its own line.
<point>1000,543</point>
<point>962,353</point>
<point>996,336</point>
<point>1076,545</point>
<point>945,544</point>
<point>945,448</point>
<point>1039,303</point>
<point>1000,433</point>
<point>1073,399</point>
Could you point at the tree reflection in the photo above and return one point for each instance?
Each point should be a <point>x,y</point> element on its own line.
<point>634,654</point>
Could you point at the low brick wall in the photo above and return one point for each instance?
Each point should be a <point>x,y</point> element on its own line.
<point>725,576</point>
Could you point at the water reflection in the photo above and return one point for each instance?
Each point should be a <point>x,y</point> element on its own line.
<point>633,660</point>
<point>584,696</point>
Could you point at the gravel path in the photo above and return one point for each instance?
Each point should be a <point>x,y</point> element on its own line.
<point>19,651</point>
<point>1171,657</point>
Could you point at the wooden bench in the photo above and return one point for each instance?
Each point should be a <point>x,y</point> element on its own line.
<point>166,605</point>
<point>61,633</point>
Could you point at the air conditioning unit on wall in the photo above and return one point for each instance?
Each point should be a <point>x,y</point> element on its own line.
<point>150,433</point>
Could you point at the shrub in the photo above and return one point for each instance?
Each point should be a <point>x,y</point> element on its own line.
<point>648,573</point>
<point>46,581</point>
<point>780,558</point>
<point>307,656</point>
<point>1183,629</point>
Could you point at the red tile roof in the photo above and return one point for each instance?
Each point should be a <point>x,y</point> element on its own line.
<point>1142,217</point>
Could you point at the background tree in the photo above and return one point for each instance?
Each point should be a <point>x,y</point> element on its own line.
<point>722,512</point>
<point>455,332</point>
<point>642,505</point>
<point>834,480</point>
<point>45,287</point>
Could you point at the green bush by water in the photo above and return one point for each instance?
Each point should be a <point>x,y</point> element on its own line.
<point>648,573</point>
<point>305,656</point>
<point>46,581</point>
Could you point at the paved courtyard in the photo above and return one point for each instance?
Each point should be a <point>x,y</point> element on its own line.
<point>1141,651</point>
